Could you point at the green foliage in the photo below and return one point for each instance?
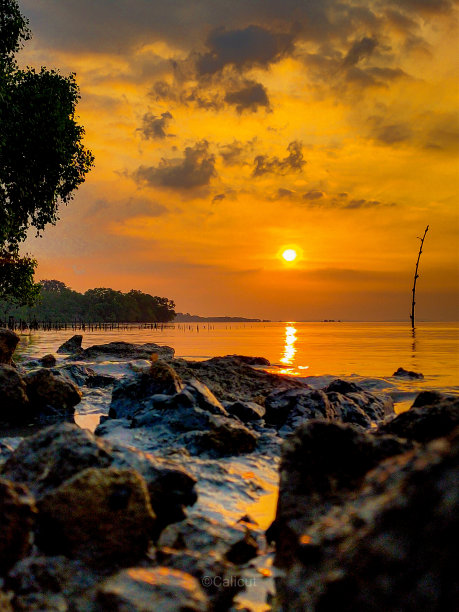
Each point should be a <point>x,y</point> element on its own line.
<point>42,158</point>
<point>59,303</point>
<point>16,279</point>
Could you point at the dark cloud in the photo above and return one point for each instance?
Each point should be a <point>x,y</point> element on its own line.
<point>392,133</point>
<point>360,49</point>
<point>426,7</point>
<point>162,90</point>
<point>218,198</point>
<point>283,193</point>
<point>195,169</point>
<point>242,48</point>
<point>235,153</point>
<point>250,97</point>
<point>294,162</point>
<point>313,194</point>
<point>155,127</point>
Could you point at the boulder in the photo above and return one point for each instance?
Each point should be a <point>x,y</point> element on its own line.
<point>245,411</point>
<point>392,547</point>
<point>48,361</point>
<point>97,381</point>
<point>8,343</point>
<point>292,407</point>
<point>47,459</point>
<point>75,372</point>
<point>51,395</point>
<point>14,403</point>
<point>321,464</point>
<point>425,422</point>
<point>130,392</point>
<point>402,373</point>
<point>17,518</point>
<point>354,405</point>
<point>227,437</point>
<point>99,515</point>
<point>243,550</point>
<point>159,588</point>
<point>73,345</point>
<point>127,350</point>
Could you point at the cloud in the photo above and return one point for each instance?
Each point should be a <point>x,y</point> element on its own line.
<point>294,162</point>
<point>195,169</point>
<point>313,194</point>
<point>218,198</point>
<point>235,153</point>
<point>426,7</point>
<point>154,127</point>
<point>360,49</point>
<point>250,97</point>
<point>242,48</point>
<point>391,134</point>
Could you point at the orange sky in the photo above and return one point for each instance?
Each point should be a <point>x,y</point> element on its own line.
<point>224,134</point>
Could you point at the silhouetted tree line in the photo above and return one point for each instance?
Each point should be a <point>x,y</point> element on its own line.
<point>59,303</point>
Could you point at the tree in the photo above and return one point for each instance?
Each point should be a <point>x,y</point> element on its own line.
<point>42,158</point>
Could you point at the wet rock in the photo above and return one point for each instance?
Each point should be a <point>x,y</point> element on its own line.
<point>245,411</point>
<point>402,373</point>
<point>51,395</point>
<point>73,345</point>
<point>230,379</point>
<point>292,407</point>
<point>48,361</point>
<point>98,515</point>
<point>342,386</point>
<point>97,381</point>
<point>321,464</point>
<point>131,391</point>
<point>144,590</point>
<point>53,455</point>
<point>8,342</point>
<point>127,350</point>
<point>17,518</point>
<point>77,373</point>
<point>428,398</point>
<point>243,550</point>
<point>14,403</point>
<point>391,548</point>
<point>425,422</point>
<point>6,450</point>
<point>354,405</point>
<point>253,361</point>
<point>40,602</point>
<point>227,437</point>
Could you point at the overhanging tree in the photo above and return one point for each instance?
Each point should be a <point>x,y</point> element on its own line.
<point>42,157</point>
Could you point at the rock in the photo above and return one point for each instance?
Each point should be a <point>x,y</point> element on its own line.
<point>321,463</point>
<point>40,602</point>
<point>243,550</point>
<point>130,392</point>
<point>100,380</point>
<point>5,602</point>
<point>428,398</point>
<point>354,405</point>
<point>51,395</point>
<point>99,515</point>
<point>127,350</point>
<point>73,345</point>
<point>253,361</point>
<point>8,343</point>
<point>77,373</point>
<point>342,386</point>
<point>47,459</point>
<point>294,406</point>
<point>48,361</point>
<point>17,518</point>
<point>425,422</point>
<point>245,411</point>
<point>14,403</point>
<point>227,437</point>
<point>230,379</point>
<point>144,590</point>
<point>6,450</point>
<point>391,548</point>
<point>402,373</point>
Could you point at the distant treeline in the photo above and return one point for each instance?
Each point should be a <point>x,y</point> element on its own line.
<point>59,303</point>
<point>188,318</point>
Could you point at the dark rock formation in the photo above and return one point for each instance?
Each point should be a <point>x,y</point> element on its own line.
<point>51,395</point>
<point>144,590</point>
<point>98,515</point>
<point>75,372</point>
<point>402,373</point>
<point>8,343</point>
<point>14,403</point>
<point>243,550</point>
<point>97,381</point>
<point>73,345</point>
<point>391,547</point>
<point>48,361</point>
<point>231,379</point>
<point>321,463</point>
<point>292,407</point>
<point>127,350</point>
<point>245,411</point>
<point>17,518</point>
<point>353,404</point>
<point>426,422</point>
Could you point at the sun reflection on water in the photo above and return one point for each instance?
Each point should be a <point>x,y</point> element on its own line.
<point>289,348</point>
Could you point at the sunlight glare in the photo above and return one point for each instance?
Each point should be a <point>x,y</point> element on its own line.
<point>289,255</point>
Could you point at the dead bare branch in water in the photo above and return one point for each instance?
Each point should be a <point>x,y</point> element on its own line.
<point>416,276</point>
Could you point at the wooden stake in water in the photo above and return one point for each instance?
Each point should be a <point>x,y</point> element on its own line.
<point>416,276</point>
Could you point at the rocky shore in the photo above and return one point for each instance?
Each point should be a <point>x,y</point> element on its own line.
<point>160,507</point>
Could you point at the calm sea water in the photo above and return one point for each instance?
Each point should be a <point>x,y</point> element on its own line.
<point>369,350</point>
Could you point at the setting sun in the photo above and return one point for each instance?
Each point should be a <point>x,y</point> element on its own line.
<point>289,255</point>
